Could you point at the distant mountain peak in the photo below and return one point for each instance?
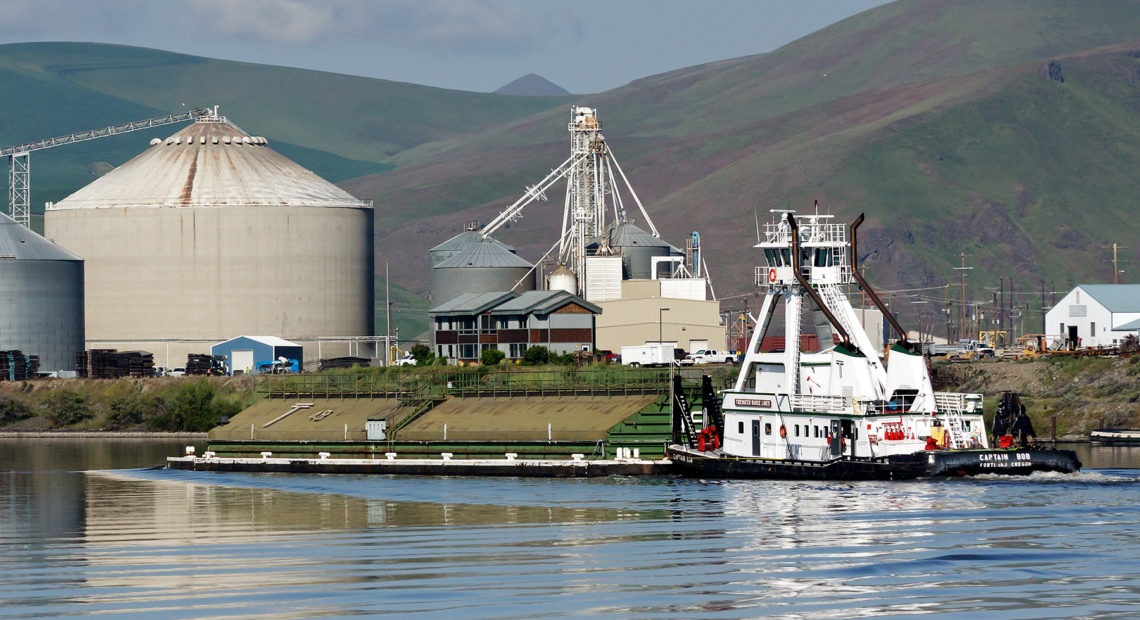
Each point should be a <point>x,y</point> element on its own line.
<point>532,85</point>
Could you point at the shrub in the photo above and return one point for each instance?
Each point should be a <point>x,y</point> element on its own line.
<point>423,354</point>
<point>490,357</point>
<point>536,356</point>
<point>12,411</point>
<point>191,407</point>
<point>65,407</point>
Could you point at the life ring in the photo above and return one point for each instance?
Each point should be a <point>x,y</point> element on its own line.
<point>783,432</point>
<point>772,274</point>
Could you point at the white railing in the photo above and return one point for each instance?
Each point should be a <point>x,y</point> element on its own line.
<point>822,404</point>
<point>957,402</point>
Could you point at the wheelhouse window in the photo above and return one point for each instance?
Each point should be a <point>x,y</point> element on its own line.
<point>767,428</point>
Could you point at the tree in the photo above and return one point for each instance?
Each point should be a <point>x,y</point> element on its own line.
<point>491,357</point>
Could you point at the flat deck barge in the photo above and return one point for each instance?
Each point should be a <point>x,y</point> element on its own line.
<point>444,466</point>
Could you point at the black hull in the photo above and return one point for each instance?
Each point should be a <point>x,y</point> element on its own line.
<point>932,464</point>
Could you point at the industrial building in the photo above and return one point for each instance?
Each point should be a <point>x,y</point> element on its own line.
<point>209,234</point>
<point>41,297</point>
<point>257,354</point>
<point>1095,315</point>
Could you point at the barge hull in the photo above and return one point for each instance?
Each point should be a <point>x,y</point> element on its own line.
<point>521,468</point>
<point>1022,462</point>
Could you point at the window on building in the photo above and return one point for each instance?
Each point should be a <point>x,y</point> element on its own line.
<point>467,351</point>
<point>518,349</point>
<point>797,430</point>
<point>767,428</point>
<point>740,428</point>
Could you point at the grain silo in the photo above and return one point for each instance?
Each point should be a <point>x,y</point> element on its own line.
<point>41,297</point>
<point>485,266</point>
<point>461,244</point>
<point>638,248</point>
<point>210,234</point>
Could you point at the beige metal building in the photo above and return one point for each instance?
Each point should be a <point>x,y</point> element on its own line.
<point>645,312</point>
<point>210,234</point>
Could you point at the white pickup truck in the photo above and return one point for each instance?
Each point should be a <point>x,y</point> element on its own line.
<point>708,356</point>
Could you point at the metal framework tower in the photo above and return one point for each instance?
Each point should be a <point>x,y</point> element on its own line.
<point>592,176</point>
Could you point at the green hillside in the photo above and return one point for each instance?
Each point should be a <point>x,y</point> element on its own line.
<point>937,119</point>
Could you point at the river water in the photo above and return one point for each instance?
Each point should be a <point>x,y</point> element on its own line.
<point>87,528</point>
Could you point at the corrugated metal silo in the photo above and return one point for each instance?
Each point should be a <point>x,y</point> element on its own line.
<point>210,234</point>
<point>486,266</point>
<point>41,297</point>
<point>638,248</point>
<point>460,244</point>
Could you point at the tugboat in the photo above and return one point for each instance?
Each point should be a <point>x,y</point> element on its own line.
<point>839,413</point>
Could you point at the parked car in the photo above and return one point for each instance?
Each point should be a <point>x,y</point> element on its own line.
<point>160,371</point>
<point>709,356</point>
<point>177,372</point>
<point>407,360</point>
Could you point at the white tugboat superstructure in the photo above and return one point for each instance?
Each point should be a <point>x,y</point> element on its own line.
<point>837,411</point>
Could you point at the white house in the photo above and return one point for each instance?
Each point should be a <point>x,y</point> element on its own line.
<point>1096,315</point>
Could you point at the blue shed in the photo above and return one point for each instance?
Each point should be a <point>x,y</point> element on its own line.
<point>260,355</point>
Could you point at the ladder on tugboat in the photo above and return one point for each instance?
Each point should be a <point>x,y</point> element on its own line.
<point>950,405</point>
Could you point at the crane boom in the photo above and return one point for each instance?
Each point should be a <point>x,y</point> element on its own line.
<point>19,168</point>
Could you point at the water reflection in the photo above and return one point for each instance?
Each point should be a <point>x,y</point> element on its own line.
<point>148,543</point>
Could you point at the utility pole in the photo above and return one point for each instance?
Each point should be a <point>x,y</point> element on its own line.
<point>1115,268</point>
<point>962,308</point>
<point>388,321</point>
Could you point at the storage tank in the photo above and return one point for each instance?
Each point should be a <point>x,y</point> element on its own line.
<point>637,249</point>
<point>210,234</point>
<point>41,297</point>
<point>461,243</point>
<point>486,266</point>
<point>562,279</point>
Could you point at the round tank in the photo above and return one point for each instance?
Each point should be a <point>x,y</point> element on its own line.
<point>562,279</point>
<point>193,243</point>
<point>637,249</point>
<point>461,243</point>
<point>485,267</point>
<point>41,298</point>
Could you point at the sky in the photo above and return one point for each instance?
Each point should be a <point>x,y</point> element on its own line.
<point>584,46</point>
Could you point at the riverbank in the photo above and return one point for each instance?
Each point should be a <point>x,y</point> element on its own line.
<point>100,435</point>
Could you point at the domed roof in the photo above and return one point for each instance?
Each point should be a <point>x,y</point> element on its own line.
<point>627,235</point>
<point>466,240</point>
<point>211,163</point>
<point>488,253</point>
<point>18,242</point>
